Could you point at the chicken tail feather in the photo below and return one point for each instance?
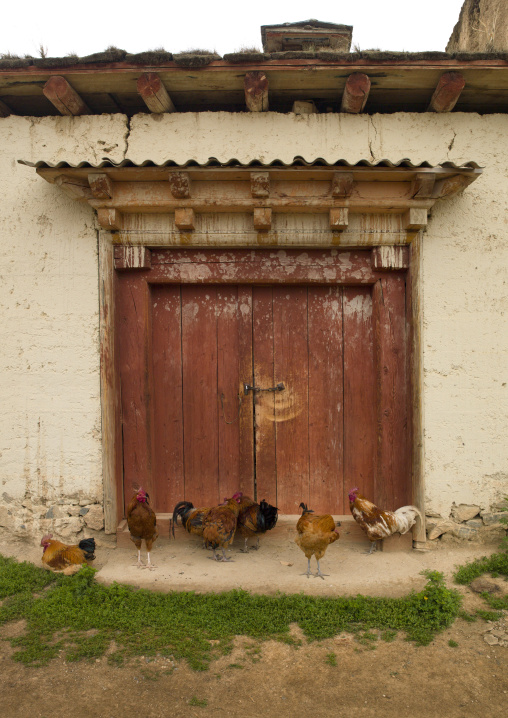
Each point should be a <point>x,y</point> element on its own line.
<point>88,548</point>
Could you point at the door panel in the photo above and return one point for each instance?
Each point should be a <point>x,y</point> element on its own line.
<point>186,348</point>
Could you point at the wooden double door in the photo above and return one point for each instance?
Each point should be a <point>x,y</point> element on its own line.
<point>279,374</point>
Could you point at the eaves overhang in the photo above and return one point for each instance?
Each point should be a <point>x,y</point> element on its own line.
<point>303,202</point>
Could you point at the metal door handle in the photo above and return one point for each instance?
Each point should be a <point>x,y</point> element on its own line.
<point>247,387</point>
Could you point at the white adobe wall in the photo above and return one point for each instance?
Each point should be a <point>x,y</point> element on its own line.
<point>50,427</point>
<point>50,392</point>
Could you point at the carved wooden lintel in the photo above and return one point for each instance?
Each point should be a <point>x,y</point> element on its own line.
<point>451,185</point>
<point>180,185</point>
<point>75,187</point>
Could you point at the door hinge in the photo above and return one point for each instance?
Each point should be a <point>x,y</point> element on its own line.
<point>247,387</point>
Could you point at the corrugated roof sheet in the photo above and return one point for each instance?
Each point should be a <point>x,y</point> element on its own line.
<point>213,162</point>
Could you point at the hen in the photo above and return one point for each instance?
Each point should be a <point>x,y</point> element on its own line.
<point>191,517</point>
<point>254,519</point>
<point>314,534</point>
<point>142,522</point>
<point>379,524</point>
<point>219,526</point>
<point>58,556</point>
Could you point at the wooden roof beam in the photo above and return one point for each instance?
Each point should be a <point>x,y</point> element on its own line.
<point>356,93</point>
<point>447,92</point>
<point>64,97</point>
<point>154,94</point>
<point>256,91</point>
<point>101,185</point>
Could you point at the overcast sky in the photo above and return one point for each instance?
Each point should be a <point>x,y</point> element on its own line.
<point>86,27</point>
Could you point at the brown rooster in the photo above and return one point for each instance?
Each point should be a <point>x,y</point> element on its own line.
<point>379,524</point>
<point>254,519</point>
<point>191,517</point>
<point>219,526</point>
<point>141,521</point>
<point>314,534</point>
<point>58,556</point>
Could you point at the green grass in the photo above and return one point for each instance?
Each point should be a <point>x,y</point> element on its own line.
<point>331,659</point>
<point>496,565</point>
<point>81,618</point>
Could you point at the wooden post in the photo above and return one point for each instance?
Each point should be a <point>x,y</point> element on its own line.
<point>256,91</point>
<point>154,94</point>
<point>356,93</point>
<point>447,92</point>
<point>111,438</point>
<point>64,97</point>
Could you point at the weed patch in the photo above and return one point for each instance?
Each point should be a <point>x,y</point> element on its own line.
<point>88,618</point>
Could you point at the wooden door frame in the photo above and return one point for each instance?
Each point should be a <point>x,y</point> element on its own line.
<point>113,259</point>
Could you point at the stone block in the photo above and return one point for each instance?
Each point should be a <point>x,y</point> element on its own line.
<point>94,519</point>
<point>440,528</point>
<point>464,532</point>
<point>464,512</point>
<point>493,518</point>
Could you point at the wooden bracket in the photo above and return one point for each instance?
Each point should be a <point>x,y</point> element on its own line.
<point>185,219</point>
<point>154,94</point>
<point>339,219</point>
<point>180,185</point>
<point>260,184</point>
<point>101,185</point>
<point>342,184</point>
<point>414,219</point>
<point>423,185</point>
<point>75,187</point>
<point>256,91</point>
<point>110,218</point>
<point>356,93</point>
<point>262,219</point>
<point>64,97</point>
<point>132,258</point>
<point>451,185</point>
<point>447,92</point>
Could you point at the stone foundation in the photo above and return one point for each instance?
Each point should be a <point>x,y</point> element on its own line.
<point>69,519</point>
<point>468,522</point>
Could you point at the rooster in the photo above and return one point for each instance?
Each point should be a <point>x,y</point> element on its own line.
<point>141,521</point>
<point>191,517</point>
<point>219,526</point>
<point>254,519</point>
<point>314,534</point>
<point>58,556</point>
<point>379,524</point>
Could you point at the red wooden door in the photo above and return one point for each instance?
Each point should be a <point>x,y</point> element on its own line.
<point>187,350</point>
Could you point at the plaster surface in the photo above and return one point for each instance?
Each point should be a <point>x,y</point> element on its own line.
<point>50,432</point>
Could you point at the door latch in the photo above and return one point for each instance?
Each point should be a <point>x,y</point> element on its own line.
<point>247,387</point>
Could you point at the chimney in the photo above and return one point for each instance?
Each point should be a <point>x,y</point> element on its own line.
<point>307,35</point>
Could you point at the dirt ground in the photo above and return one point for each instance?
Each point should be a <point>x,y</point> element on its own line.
<point>393,679</point>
